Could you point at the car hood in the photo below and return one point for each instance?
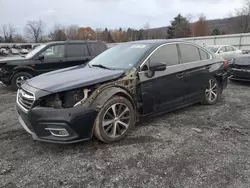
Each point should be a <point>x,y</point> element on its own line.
<point>72,78</point>
<point>244,60</point>
<point>7,59</point>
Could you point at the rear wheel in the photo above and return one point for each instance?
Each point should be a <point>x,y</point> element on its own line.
<point>212,92</point>
<point>19,78</point>
<point>114,120</point>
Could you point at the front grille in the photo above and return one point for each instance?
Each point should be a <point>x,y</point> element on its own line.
<point>25,99</point>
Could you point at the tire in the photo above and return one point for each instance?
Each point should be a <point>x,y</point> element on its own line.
<point>16,79</point>
<point>105,133</point>
<point>212,92</point>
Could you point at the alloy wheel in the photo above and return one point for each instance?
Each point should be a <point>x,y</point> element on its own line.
<point>116,120</point>
<point>212,91</point>
<point>20,80</point>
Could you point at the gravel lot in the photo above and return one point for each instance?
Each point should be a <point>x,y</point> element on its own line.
<point>165,151</point>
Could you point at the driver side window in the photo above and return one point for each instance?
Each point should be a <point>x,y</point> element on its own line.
<point>53,52</point>
<point>166,54</point>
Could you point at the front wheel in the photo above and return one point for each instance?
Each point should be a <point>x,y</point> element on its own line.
<point>19,78</point>
<point>212,92</point>
<point>114,120</point>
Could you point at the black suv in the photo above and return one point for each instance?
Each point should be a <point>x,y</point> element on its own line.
<point>48,57</point>
<point>123,84</point>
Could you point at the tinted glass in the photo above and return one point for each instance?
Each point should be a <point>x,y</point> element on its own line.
<point>204,55</point>
<point>166,54</point>
<point>189,53</point>
<point>96,48</point>
<point>56,51</point>
<point>77,50</point>
<point>123,56</point>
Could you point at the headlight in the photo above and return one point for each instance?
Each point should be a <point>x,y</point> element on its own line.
<point>65,99</point>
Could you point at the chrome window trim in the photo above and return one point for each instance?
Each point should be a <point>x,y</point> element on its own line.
<point>144,62</point>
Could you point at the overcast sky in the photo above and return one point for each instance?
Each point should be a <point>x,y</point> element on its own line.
<point>110,13</point>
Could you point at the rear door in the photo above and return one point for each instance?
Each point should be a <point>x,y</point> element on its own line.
<point>162,90</point>
<point>76,54</point>
<point>197,63</point>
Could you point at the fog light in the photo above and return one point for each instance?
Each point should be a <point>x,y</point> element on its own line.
<point>59,132</point>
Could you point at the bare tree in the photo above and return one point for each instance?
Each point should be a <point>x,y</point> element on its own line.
<point>241,21</point>
<point>34,30</point>
<point>57,33</point>
<point>72,32</point>
<point>8,32</point>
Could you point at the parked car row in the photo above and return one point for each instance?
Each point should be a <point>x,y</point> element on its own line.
<point>112,89</point>
<point>15,71</point>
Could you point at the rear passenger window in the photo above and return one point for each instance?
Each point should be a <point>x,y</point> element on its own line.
<point>96,48</point>
<point>189,53</point>
<point>166,54</point>
<point>77,50</point>
<point>204,55</point>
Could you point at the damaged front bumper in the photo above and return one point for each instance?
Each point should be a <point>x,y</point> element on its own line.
<point>58,125</point>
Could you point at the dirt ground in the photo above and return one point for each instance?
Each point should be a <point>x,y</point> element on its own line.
<point>165,151</point>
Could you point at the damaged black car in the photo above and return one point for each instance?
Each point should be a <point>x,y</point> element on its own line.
<point>107,96</point>
<point>239,68</point>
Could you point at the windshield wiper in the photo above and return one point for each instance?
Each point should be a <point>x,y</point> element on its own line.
<point>102,66</point>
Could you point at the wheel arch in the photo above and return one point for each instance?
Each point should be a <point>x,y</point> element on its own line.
<point>109,92</point>
<point>22,69</point>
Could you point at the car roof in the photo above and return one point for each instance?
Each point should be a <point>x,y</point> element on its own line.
<point>217,46</point>
<point>75,42</point>
<point>157,41</point>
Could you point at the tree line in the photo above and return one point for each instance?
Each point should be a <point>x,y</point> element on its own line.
<point>180,27</point>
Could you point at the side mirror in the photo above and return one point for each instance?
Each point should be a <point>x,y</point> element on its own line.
<point>220,52</point>
<point>40,57</point>
<point>158,66</point>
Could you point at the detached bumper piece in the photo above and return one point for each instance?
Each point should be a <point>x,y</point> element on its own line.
<point>62,126</point>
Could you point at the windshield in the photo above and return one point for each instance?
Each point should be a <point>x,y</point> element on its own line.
<point>123,56</point>
<point>213,48</point>
<point>33,52</point>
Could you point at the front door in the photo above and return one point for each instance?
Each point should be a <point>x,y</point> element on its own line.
<point>162,90</point>
<point>53,59</point>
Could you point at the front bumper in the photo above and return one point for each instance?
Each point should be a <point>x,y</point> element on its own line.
<point>239,74</point>
<point>77,122</point>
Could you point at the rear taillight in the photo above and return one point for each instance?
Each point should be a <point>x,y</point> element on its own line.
<point>225,63</point>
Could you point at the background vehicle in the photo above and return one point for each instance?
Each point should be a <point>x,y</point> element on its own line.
<point>225,51</point>
<point>48,57</point>
<point>24,51</point>
<point>4,52</point>
<point>14,51</point>
<point>240,68</point>
<point>116,88</point>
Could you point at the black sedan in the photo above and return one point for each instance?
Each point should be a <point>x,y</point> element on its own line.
<point>240,68</point>
<point>106,97</point>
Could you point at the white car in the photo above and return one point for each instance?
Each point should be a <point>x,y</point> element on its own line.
<point>226,51</point>
<point>24,51</point>
<point>14,51</point>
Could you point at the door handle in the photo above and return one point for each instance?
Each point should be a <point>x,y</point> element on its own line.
<point>208,66</point>
<point>180,75</point>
